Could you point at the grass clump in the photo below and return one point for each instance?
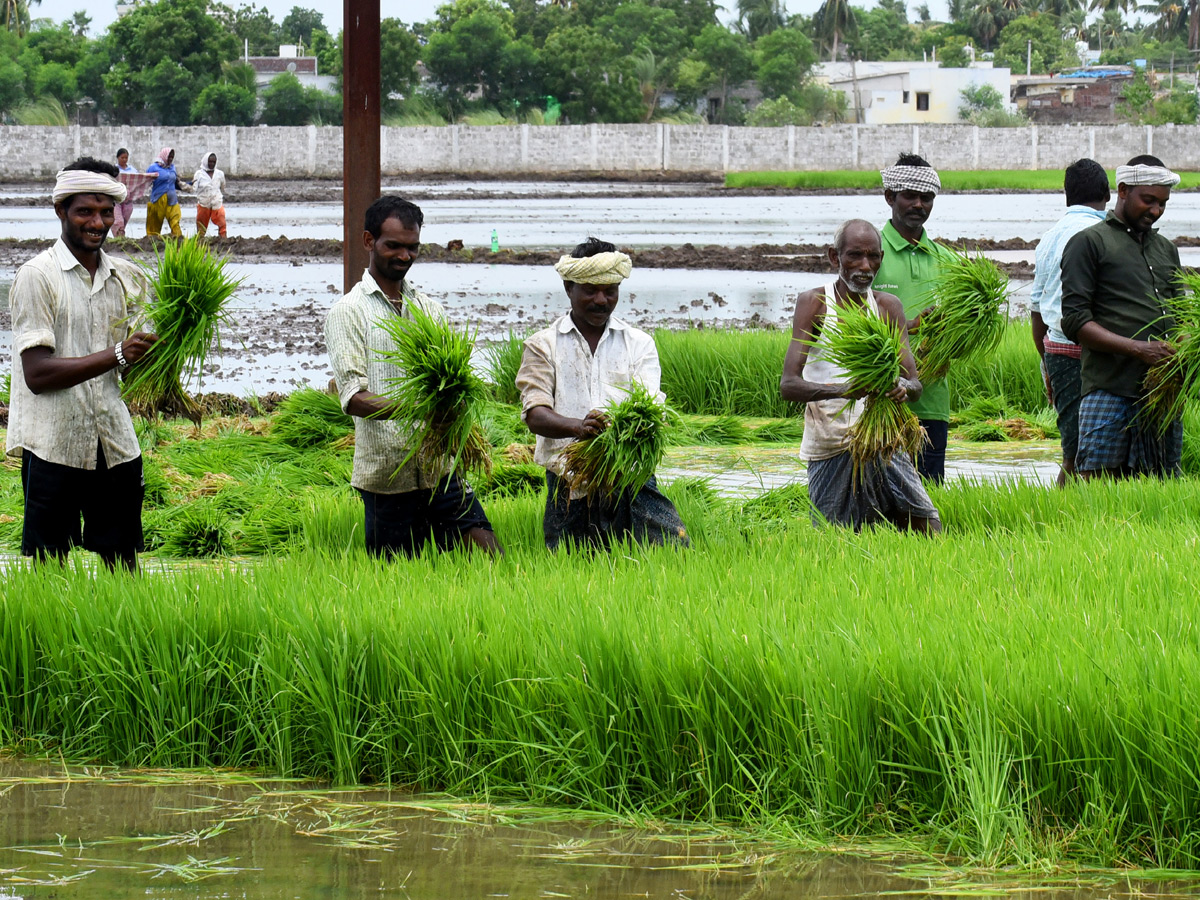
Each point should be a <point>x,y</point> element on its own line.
<point>1172,383</point>
<point>870,350</point>
<point>623,457</point>
<point>199,530</point>
<point>308,417</point>
<point>966,321</point>
<point>952,180</point>
<point>190,288</point>
<point>441,402</point>
<point>502,361</point>
<point>724,372</point>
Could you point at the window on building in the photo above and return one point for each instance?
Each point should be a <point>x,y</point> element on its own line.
<point>923,101</point>
<point>906,96</point>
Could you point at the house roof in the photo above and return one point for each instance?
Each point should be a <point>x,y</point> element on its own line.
<point>268,65</point>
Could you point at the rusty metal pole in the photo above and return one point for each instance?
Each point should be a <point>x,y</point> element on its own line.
<point>360,129</point>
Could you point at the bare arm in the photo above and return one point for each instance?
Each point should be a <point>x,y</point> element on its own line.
<point>545,422</point>
<point>366,405</point>
<point>1039,329</point>
<point>44,371</point>
<point>806,324</point>
<point>1095,336</point>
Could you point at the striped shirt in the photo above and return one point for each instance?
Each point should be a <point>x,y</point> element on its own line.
<point>355,343</point>
<point>58,305</point>
<point>560,371</point>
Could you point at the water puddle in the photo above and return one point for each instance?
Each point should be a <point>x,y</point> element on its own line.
<point>84,833</point>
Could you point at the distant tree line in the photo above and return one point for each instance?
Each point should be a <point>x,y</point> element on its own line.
<point>178,62</point>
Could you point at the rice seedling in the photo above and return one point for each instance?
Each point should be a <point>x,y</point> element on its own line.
<point>5,388</point>
<point>189,287</point>
<point>724,372</point>
<point>782,431</point>
<point>620,459</point>
<point>870,350</point>
<point>722,430</point>
<point>966,321</point>
<point>439,398</point>
<point>309,417</point>
<point>198,530</point>
<point>1175,381</point>
<point>503,360</point>
<point>509,480</point>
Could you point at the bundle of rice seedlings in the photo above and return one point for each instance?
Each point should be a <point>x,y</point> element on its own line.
<point>189,290</point>
<point>197,531</point>
<point>309,417</point>
<point>1172,383</point>
<point>441,401</point>
<point>503,361</point>
<point>870,350</point>
<point>621,458</point>
<point>966,321</point>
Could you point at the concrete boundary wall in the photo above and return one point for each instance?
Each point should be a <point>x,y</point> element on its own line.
<point>33,152</point>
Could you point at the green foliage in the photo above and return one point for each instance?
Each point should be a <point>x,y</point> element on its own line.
<point>884,33</point>
<point>12,84</point>
<point>622,458</point>
<point>298,25</point>
<point>721,372</point>
<point>240,75</point>
<point>170,90</point>
<point>252,26</point>
<point>190,289</point>
<point>310,418</point>
<point>46,111</point>
<point>503,359</point>
<point>1143,105</point>
<point>1051,52</point>
<point>983,105</point>
<point>772,113</point>
<point>592,79</point>
<point>56,80</point>
<point>197,531</point>
<point>399,52</point>
<point>968,317</point>
<point>727,58</point>
<point>439,400</point>
<point>224,104</point>
<point>323,107</point>
<point>283,101</point>
<point>783,61</point>
<point>1171,384</point>
<point>952,54</point>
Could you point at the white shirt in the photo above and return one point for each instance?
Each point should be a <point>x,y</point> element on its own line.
<point>57,304</point>
<point>208,188</point>
<point>355,342</point>
<point>559,370</point>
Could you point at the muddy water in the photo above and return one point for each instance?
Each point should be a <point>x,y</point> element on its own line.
<point>89,834</point>
<point>543,218</point>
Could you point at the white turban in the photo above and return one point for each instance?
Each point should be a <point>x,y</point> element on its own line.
<point>1146,175</point>
<point>78,181</point>
<point>603,268</point>
<point>922,179</point>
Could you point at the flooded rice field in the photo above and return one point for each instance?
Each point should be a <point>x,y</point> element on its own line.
<point>551,216</point>
<point>77,833</point>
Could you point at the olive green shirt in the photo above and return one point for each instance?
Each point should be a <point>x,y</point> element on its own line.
<point>908,271</point>
<point>1112,278</point>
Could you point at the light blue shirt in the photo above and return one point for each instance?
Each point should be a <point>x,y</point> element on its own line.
<point>1046,296</point>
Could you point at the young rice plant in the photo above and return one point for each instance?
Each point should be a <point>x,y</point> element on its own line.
<point>871,350</point>
<point>621,458</point>
<point>966,321</point>
<point>189,288</point>
<point>441,402</point>
<point>1172,383</point>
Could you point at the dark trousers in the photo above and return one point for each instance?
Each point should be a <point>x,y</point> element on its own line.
<point>931,461</point>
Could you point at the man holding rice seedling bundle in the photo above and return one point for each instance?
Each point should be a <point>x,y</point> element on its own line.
<point>850,343</point>
<point>911,263</point>
<point>407,503</point>
<point>590,392</point>
<point>1119,279</point>
<point>1086,186</point>
<point>72,309</point>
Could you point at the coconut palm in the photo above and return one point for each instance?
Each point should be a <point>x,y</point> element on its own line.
<point>652,81</point>
<point>833,21</point>
<point>16,15</point>
<point>759,17</point>
<point>987,18</point>
<point>1168,17</point>
<point>1074,25</point>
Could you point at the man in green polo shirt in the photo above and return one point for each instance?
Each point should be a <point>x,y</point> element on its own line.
<point>911,262</point>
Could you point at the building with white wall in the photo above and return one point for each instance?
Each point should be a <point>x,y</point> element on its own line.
<point>908,92</point>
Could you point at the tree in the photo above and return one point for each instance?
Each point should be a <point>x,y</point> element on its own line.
<point>651,78</point>
<point>727,56</point>
<point>399,52</point>
<point>12,84</point>
<point>884,33</point>
<point>953,52</point>
<point>637,27</point>
<point>224,104</point>
<point>164,54</point>
<point>590,77</point>
<point>328,51</point>
<point>757,18</point>
<point>783,60</point>
<point>253,27</point>
<point>323,108</point>
<point>283,101</point>
<point>57,81</point>
<point>298,25</point>
<point>834,20</point>
<point>471,48</point>
<point>1050,51</point>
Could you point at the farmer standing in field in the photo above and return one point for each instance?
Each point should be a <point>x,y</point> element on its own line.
<point>1116,276</point>
<point>886,490</point>
<point>209,184</point>
<point>911,262</point>
<point>569,372</point>
<point>1086,186</point>
<point>405,506</point>
<point>72,309</point>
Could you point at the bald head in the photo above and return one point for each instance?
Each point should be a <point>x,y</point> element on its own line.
<point>856,228</point>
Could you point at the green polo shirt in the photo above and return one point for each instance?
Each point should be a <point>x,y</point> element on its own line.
<point>908,271</point>
<point>1112,277</point>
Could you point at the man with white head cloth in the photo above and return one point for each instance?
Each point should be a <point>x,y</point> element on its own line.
<point>73,309</point>
<point>1116,279</point>
<point>568,373</point>
<point>911,263</point>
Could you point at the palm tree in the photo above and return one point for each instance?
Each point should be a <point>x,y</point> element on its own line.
<point>1074,25</point>
<point>987,18</point>
<point>652,81</point>
<point>834,20</point>
<point>1168,16</point>
<point>16,15</point>
<point>759,17</point>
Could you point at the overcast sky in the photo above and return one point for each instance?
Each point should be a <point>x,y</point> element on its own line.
<point>103,12</point>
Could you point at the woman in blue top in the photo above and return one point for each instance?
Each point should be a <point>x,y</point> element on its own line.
<point>164,202</point>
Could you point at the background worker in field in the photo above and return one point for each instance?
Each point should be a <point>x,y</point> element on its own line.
<point>1085,184</point>
<point>209,185</point>
<point>72,309</point>
<point>911,262</point>
<point>1115,278</point>
<point>406,507</point>
<point>569,373</point>
<point>888,490</point>
<point>163,205</point>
